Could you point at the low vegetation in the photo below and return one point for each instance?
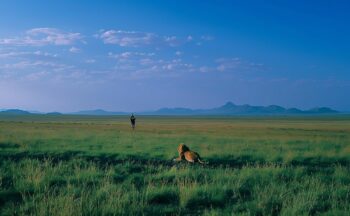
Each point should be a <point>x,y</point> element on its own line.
<point>81,165</point>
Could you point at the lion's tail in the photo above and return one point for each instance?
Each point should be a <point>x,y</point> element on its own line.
<point>202,162</point>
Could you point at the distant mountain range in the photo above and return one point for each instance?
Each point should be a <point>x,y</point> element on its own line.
<point>228,109</point>
<point>231,109</point>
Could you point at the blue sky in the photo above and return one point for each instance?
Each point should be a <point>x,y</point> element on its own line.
<point>142,55</point>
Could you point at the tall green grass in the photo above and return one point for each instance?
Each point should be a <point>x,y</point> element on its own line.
<point>98,166</point>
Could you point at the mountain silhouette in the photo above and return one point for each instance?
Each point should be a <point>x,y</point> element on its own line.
<point>15,112</point>
<point>232,109</point>
<point>227,109</point>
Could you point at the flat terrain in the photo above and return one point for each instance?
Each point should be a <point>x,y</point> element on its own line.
<point>85,165</point>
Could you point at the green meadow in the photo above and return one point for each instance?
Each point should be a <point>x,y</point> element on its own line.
<point>89,165</point>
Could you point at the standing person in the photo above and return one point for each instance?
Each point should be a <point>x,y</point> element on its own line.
<point>133,121</point>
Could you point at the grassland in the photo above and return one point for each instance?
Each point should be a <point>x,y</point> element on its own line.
<point>84,165</point>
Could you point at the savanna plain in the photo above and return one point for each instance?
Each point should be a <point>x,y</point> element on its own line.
<point>90,165</point>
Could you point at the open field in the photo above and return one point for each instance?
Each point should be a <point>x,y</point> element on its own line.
<point>85,165</point>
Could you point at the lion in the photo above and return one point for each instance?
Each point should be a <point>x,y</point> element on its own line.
<point>186,154</point>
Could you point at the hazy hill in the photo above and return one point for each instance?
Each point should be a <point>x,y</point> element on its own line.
<point>320,110</point>
<point>54,113</point>
<point>14,112</point>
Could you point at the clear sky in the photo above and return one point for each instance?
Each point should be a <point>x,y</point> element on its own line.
<point>143,55</point>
